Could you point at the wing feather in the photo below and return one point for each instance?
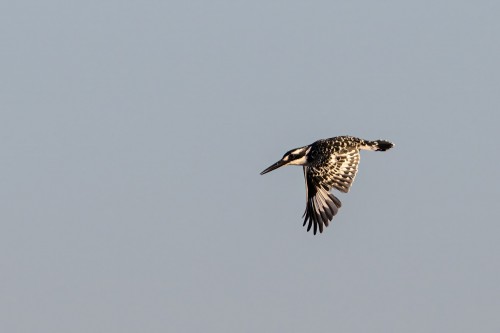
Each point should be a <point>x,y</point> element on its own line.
<point>338,173</point>
<point>343,170</point>
<point>321,205</point>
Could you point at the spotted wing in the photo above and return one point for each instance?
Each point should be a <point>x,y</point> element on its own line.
<point>342,170</point>
<point>321,205</point>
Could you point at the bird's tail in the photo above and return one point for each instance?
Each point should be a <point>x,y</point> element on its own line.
<point>377,145</point>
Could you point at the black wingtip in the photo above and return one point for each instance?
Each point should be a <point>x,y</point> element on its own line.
<point>318,218</point>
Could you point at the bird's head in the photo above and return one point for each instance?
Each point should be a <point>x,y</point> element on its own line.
<point>297,156</point>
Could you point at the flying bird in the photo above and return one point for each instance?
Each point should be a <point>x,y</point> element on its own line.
<point>328,163</point>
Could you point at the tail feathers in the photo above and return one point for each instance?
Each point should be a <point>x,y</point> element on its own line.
<point>377,145</point>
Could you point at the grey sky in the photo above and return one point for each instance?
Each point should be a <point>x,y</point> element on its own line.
<point>133,134</point>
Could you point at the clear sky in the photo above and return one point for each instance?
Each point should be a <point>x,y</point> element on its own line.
<point>132,134</point>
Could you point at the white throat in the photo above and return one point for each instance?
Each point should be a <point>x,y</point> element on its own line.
<point>299,161</point>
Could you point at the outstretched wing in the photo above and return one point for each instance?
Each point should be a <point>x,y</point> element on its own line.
<point>342,170</point>
<point>338,173</point>
<point>321,205</point>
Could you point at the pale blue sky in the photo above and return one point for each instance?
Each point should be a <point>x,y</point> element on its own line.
<point>133,134</point>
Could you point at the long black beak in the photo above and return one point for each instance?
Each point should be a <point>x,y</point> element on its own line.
<point>274,166</point>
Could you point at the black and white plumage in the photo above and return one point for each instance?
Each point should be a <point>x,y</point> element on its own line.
<point>329,163</point>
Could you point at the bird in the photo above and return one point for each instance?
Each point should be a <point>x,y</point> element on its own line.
<point>327,164</point>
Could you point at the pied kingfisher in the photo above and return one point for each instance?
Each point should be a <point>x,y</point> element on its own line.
<point>329,163</point>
